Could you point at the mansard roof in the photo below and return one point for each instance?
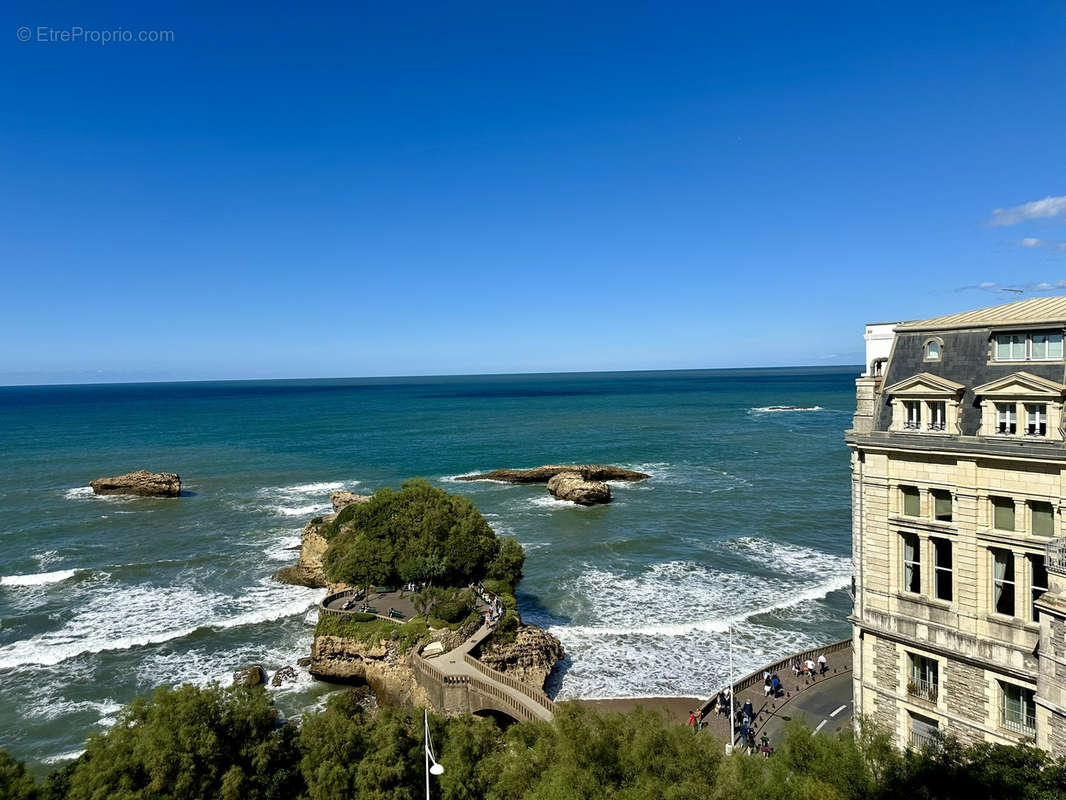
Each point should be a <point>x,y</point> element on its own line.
<point>1020,383</point>
<point>924,383</point>
<point>1034,311</point>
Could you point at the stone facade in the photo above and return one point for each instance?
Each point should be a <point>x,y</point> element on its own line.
<point>960,596</point>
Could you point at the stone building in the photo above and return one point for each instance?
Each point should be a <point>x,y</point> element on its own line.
<point>958,477</point>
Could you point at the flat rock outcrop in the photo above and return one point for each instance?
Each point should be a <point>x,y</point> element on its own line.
<point>530,658</point>
<point>142,483</point>
<point>342,500</point>
<point>589,472</point>
<point>571,486</point>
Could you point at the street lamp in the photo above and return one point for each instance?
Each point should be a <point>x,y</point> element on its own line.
<point>436,769</point>
<point>732,718</point>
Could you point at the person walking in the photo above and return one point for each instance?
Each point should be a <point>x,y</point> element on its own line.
<point>823,664</point>
<point>775,685</point>
<point>692,719</point>
<point>748,710</point>
<point>764,745</point>
<point>808,668</point>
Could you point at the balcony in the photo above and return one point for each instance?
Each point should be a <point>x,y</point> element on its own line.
<point>923,689</point>
<point>1024,724</point>
<point>920,740</point>
<point>1055,556</point>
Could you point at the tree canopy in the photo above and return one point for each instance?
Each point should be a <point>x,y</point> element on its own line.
<point>191,743</point>
<point>422,534</point>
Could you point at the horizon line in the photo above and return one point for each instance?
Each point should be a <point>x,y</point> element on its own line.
<point>428,376</point>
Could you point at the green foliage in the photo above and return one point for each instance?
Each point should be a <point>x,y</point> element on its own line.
<point>200,743</point>
<point>15,782</point>
<point>419,533</point>
<point>191,743</point>
<point>507,566</point>
<point>455,606</point>
<point>370,629</point>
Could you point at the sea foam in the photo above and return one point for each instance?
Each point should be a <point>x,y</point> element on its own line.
<point>37,579</point>
<point>123,617</point>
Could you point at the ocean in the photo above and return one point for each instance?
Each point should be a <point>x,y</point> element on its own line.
<point>745,522</point>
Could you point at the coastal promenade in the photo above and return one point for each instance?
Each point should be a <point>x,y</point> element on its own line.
<point>820,695</point>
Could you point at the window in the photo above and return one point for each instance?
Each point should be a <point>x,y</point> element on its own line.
<point>1018,708</point>
<point>1006,418</point>
<point>925,677</point>
<point>932,350</point>
<point>941,504</point>
<point>942,568</point>
<point>1036,419</point>
<point>937,415</point>
<point>1010,347</point>
<point>913,420</point>
<point>1046,346</point>
<point>1038,572</point>
<point>912,563</point>
<point>1002,513</point>
<point>1041,519</point>
<point>912,501</point>
<point>923,731</point>
<point>1003,581</point>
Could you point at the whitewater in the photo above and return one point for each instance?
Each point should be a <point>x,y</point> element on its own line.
<point>743,527</point>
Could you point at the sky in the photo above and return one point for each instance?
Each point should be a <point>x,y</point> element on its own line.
<point>314,190</point>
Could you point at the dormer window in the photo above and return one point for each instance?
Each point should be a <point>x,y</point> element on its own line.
<point>925,403</point>
<point>1043,346</point>
<point>1021,404</point>
<point>932,349</point>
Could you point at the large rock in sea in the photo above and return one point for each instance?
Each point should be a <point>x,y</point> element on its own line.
<point>590,472</point>
<point>252,675</point>
<point>142,483</point>
<point>571,486</point>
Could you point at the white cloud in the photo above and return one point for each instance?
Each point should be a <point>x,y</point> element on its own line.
<point>1029,241</point>
<point>1018,288</point>
<point>1038,209</point>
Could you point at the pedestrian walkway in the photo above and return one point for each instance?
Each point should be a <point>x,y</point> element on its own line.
<point>833,686</point>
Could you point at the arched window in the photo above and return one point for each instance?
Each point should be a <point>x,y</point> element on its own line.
<point>933,349</point>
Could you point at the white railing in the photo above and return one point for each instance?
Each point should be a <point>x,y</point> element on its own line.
<point>921,740</point>
<point>1055,556</point>
<point>1020,724</point>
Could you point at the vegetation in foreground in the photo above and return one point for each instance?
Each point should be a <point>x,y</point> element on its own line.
<point>190,743</point>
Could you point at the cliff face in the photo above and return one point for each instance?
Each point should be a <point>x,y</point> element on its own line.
<point>530,658</point>
<point>381,664</point>
<point>313,544</point>
<point>308,569</point>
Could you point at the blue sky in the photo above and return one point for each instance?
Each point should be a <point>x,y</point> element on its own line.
<point>393,189</point>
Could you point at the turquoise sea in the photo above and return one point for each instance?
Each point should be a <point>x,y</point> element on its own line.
<point>745,521</point>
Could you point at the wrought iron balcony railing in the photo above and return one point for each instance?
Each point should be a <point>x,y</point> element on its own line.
<point>1055,556</point>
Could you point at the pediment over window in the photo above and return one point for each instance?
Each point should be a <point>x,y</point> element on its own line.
<point>1020,384</point>
<point>924,384</point>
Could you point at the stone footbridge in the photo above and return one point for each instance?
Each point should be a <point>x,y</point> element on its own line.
<point>455,681</point>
